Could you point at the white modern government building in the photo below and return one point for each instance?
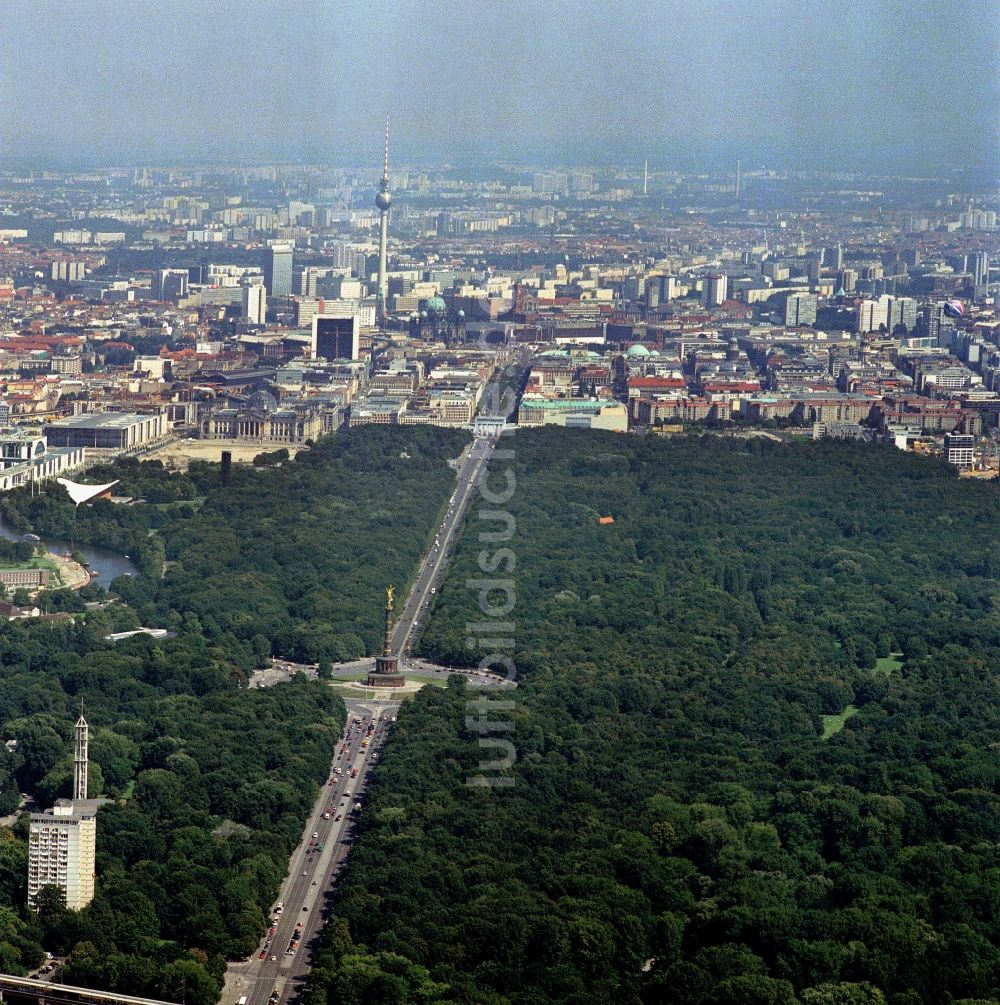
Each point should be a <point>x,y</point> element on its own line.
<point>26,457</point>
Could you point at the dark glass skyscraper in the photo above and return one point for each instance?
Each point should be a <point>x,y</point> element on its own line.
<point>278,270</point>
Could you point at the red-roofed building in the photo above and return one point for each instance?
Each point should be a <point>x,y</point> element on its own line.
<point>735,308</point>
<point>650,411</point>
<point>717,387</point>
<point>644,386</point>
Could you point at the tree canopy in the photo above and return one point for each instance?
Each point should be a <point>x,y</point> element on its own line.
<point>209,780</point>
<point>677,828</point>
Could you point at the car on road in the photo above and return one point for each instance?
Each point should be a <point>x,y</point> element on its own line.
<point>273,958</point>
<point>305,872</point>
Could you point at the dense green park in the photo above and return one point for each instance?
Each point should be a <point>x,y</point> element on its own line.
<point>678,830</point>
<point>209,780</point>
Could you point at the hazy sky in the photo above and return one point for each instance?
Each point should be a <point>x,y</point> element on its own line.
<point>893,84</point>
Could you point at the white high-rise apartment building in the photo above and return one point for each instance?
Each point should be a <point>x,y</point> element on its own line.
<point>870,315</point>
<point>254,302</point>
<point>62,840</point>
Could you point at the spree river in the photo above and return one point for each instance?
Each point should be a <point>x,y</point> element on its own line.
<point>106,564</point>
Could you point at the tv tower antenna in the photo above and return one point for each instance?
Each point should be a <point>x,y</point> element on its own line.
<point>383,200</point>
<point>385,162</point>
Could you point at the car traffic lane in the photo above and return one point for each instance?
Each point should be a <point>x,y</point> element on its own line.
<point>427,576</point>
<point>306,896</point>
<point>342,832</point>
<point>298,891</point>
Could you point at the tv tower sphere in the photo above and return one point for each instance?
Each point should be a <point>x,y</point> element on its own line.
<point>383,200</point>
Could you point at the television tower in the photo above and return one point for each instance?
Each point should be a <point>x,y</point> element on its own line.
<point>80,759</point>
<point>645,177</point>
<point>383,200</point>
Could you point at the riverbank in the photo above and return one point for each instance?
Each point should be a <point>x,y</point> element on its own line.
<point>109,563</point>
<point>72,574</point>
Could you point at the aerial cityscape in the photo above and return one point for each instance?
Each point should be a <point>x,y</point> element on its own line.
<point>484,522</point>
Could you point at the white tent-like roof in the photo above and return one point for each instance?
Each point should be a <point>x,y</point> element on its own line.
<point>83,493</point>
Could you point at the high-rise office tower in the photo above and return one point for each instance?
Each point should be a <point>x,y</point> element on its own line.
<point>833,258</point>
<point>550,182</point>
<point>800,309</point>
<point>872,315</point>
<point>383,200</point>
<point>359,265</point>
<point>62,840</point>
<point>305,279</point>
<point>902,311</point>
<point>931,320</point>
<point>716,290</point>
<point>66,271</point>
<point>848,279</point>
<point>581,182</point>
<point>169,284</point>
<point>979,266</point>
<point>336,336</point>
<point>278,270</point>
<point>634,288</point>
<point>341,254</point>
<point>254,302</point>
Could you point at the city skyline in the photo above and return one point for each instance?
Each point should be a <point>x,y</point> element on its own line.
<point>688,86</point>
